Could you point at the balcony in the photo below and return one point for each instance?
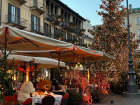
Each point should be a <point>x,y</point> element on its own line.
<point>21,1</point>
<point>37,29</point>
<point>53,19</point>
<point>64,25</point>
<point>36,6</point>
<point>79,31</point>
<point>71,27</point>
<point>15,21</point>
<point>49,35</point>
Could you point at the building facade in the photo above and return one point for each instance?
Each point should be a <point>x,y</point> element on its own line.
<point>134,20</point>
<point>88,37</point>
<point>50,18</point>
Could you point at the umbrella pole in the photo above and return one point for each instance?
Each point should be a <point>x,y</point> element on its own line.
<point>23,72</point>
<point>35,74</point>
<point>58,66</point>
<point>30,71</point>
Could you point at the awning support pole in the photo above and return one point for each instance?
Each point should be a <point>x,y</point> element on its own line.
<point>58,66</point>
<point>23,71</point>
<point>30,71</point>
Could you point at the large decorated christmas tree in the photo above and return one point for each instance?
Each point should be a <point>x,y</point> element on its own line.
<point>112,38</point>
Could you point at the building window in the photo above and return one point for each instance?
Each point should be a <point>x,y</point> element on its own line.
<point>138,33</point>
<point>35,23</point>
<point>138,20</point>
<point>13,14</point>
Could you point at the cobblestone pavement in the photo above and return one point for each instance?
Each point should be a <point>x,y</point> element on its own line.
<point>118,100</point>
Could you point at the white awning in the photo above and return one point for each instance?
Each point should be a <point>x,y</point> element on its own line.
<point>43,62</point>
<point>23,40</point>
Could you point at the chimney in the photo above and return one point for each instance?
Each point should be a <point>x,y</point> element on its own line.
<point>130,7</point>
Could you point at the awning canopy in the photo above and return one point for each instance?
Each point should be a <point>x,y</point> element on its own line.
<point>81,54</point>
<point>23,40</point>
<point>42,62</point>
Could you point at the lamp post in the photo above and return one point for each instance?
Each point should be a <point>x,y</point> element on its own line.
<point>132,89</point>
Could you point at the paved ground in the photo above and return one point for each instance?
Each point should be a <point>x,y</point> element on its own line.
<point>119,100</point>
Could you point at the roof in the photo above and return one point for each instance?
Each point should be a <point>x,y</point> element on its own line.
<point>135,9</point>
<point>69,9</point>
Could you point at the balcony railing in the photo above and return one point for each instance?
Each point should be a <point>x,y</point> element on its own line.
<point>54,19</point>
<point>36,6</point>
<point>37,28</point>
<point>64,24</point>
<point>15,21</point>
<point>21,1</point>
<point>79,31</point>
<point>49,35</point>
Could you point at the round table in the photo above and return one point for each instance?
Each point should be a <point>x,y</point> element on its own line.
<point>38,99</point>
<point>15,102</point>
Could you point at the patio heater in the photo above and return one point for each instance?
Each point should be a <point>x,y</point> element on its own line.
<point>132,88</point>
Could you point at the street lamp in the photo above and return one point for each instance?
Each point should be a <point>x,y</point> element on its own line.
<point>132,88</point>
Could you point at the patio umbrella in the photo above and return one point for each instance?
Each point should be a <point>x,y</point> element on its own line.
<point>17,39</point>
<point>42,62</point>
<point>78,54</point>
<point>75,55</point>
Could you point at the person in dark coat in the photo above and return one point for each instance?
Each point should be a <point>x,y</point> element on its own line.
<point>55,83</point>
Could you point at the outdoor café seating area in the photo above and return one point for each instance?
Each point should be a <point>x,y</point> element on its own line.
<point>23,81</point>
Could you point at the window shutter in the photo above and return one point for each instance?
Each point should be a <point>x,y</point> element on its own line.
<point>54,32</point>
<point>9,12</point>
<point>50,30</point>
<point>18,16</point>
<point>35,3</point>
<point>45,29</point>
<point>38,24</point>
<point>32,22</point>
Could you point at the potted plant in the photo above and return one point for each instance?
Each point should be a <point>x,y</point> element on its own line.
<point>59,36</point>
<point>59,17</point>
<point>82,31</point>
<point>96,95</point>
<point>74,98</point>
<point>75,41</point>
<point>72,24</point>
<point>69,40</point>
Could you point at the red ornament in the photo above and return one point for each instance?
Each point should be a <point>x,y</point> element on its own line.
<point>105,30</point>
<point>133,35</point>
<point>116,36</point>
<point>137,40</point>
<point>112,9</point>
<point>107,22</point>
<point>130,25</point>
<point>117,24</point>
<point>123,23</point>
<point>114,23</point>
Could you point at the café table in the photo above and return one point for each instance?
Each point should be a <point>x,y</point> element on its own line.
<point>38,98</point>
<point>15,102</point>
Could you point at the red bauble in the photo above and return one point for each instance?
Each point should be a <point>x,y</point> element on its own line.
<point>114,23</point>
<point>137,40</point>
<point>117,24</point>
<point>112,9</point>
<point>105,30</point>
<point>133,35</point>
<point>116,36</point>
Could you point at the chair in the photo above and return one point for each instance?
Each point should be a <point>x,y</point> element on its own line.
<point>64,99</point>
<point>48,100</point>
<point>14,97</point>
<point>8,98</point>
<point>28,101</point>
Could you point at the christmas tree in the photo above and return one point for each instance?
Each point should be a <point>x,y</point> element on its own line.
<point>112,38</point>
<point>5,77</point>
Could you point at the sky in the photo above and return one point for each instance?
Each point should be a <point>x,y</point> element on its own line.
<point>87,8</point>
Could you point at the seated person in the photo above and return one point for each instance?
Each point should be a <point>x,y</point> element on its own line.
<point>55,83</point>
